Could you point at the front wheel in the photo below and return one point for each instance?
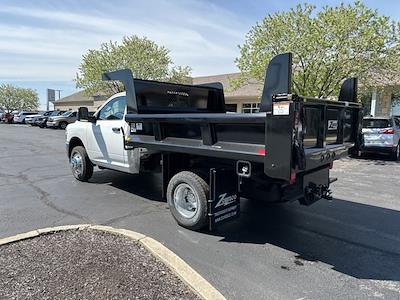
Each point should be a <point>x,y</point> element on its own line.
<point>81,166</point>
<point>187,199</point>
<point>63,125</point>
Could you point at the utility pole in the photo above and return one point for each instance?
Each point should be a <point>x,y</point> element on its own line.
<point>373,102</point>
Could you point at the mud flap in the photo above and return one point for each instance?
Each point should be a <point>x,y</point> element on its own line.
<point>224,202</point>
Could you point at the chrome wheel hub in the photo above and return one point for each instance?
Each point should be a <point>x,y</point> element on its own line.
<point>76,164</point>
<point>186,201</point>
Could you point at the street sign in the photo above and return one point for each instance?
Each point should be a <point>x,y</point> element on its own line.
<point>51,95</point>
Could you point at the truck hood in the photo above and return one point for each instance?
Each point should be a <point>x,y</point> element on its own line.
<point>57,117</point>
<point>33,116</point>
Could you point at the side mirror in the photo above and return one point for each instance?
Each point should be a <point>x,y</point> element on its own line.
<point>83,114</point>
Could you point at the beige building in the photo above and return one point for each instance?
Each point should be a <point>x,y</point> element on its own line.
<point>245,99</point>
<point>76,100</point>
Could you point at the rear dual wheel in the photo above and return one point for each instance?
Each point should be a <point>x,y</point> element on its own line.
<point>187,195</point>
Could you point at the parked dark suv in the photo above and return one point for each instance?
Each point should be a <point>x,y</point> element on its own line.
<point>41,121</point>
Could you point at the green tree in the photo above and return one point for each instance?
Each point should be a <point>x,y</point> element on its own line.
<point>329,45</point>
<point>145,58</point>
<point>16,98</point>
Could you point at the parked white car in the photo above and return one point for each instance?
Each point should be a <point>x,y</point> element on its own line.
<point>33,118</point>
<point>20,118</point>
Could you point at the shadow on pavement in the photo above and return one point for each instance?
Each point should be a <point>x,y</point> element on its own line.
<point>356,239</point>
<point>359,240</point>
<point>146,185</point>
<point>377,159</point>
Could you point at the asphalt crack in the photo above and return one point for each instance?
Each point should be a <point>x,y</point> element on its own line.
<point>44,198</point>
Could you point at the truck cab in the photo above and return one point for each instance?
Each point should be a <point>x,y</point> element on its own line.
<point>102,137</point>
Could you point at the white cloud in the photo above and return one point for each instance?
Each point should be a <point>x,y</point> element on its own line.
<point>199,34</point>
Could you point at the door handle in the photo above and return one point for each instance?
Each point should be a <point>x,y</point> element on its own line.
<point>116,129</point>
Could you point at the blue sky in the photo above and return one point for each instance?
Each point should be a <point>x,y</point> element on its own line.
<point>42,41</point>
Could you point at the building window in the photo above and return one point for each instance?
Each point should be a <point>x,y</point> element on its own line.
<point>250,108</point>
<point>231,107</point>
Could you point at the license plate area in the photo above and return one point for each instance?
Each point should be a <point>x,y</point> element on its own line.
<point>320,177</point>
<point>316,186</point>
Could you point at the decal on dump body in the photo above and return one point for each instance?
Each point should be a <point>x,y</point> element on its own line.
<point>332,124</point>
<point>136,127</point>
<point>281,109</point>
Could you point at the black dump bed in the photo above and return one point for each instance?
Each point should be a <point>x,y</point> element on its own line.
<point>289,133</point>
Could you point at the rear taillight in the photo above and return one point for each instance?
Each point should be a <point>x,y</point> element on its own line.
<point>293,176</point>
<point>297,121</point>
<point>387,131</point>
<point>261,151</point>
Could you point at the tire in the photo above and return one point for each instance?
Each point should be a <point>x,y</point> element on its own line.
<point>187,195</point>
<point>63,125</point>
<point>396,153</point>
<point>81,166</point>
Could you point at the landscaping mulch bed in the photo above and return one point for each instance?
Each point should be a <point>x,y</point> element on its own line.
<point>85,264</point>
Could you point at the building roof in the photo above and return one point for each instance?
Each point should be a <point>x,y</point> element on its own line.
<point>75,97</point>
<point>251,89</point>
<point>80,97</point>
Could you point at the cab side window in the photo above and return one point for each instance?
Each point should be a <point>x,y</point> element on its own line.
<point>113,110</point>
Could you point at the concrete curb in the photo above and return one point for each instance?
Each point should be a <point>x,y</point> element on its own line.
<point>179,267</point>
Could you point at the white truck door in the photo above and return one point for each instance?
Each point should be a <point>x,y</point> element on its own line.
<point>105,139</point>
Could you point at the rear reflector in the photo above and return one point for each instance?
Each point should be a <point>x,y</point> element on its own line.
<point>293,176</point>
<point>261,151</point>
<point>387,131</point>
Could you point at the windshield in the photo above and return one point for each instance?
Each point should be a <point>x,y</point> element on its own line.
<point>377,123</point>
<point>54,113</point>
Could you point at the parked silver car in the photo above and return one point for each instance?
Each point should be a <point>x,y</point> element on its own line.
<point>382,135</point>
<point>62,121</point>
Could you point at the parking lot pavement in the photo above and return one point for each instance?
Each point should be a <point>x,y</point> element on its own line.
<point>345,248</point>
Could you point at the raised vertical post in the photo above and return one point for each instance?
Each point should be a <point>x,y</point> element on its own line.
<point>126,77</point>
<point>278,80</point>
